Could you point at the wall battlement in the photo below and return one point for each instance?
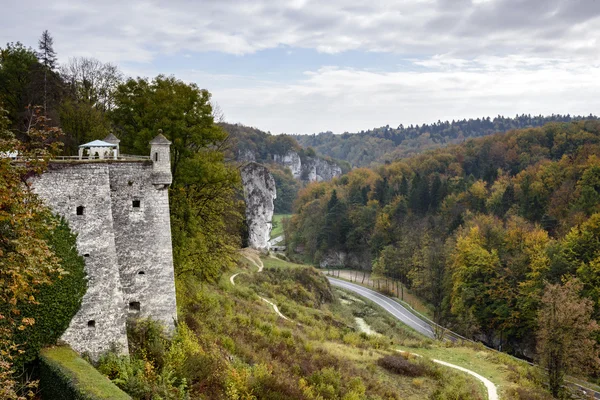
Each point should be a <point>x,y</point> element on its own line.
<point>120,212</point>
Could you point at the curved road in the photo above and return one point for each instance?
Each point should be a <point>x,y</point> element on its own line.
<point>400,312</point>
<point>391,306</point>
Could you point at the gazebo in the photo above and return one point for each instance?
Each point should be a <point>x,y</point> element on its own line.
<point>99,149</point>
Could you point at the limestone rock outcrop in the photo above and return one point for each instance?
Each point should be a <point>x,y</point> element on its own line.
<point>292,161</point>
<point>312,169</point>
<point>259,193</point>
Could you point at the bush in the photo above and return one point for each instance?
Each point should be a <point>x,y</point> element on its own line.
<point>58,302</point>
<point>402,366</point>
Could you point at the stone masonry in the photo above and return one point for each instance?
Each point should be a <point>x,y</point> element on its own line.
<point>119,209</point>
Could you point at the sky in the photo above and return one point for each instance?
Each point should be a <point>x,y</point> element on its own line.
<point>303,66</point>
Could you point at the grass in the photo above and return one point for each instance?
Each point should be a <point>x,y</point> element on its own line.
<point>320,350</point>
<point>274,262</point>
<point>84,375</point>
<point>277,225</point>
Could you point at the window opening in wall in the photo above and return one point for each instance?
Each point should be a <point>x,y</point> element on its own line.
<point>155,156</point>
<point>141,273</point>
<point>91,324</point>
<point>136,204</point>
<point>134,306</point>
<point>86,255</point>
<point>80,210</point>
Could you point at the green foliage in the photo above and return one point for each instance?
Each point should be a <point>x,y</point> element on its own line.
<point>66,376</point>
<point>55,304</point>
<point>205,210</point>
<point>287,189</point>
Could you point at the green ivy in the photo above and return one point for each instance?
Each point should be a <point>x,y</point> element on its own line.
<point>58,302</point>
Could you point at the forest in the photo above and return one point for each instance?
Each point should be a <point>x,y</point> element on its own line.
<point>379,145</point>
<point>481,230</point>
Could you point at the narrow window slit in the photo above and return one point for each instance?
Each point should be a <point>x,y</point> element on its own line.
<point>80,210</point>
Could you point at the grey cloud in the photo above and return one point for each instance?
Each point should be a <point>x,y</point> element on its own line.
<point>137,30</point>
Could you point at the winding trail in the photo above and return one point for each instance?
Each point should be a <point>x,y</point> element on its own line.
<point>402,314</point>
<point>489,385</point>
<point>254,258</point>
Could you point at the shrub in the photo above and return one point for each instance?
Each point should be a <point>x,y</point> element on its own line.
<point>402,366</point>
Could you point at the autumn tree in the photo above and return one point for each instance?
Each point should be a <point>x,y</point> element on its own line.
<point>566,334</point>
<point>26,258</point>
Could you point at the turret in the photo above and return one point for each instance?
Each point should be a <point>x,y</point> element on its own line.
<point>160,154</point>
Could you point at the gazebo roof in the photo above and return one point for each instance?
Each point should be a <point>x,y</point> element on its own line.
<point>98,143</point>
<point>111,138</point>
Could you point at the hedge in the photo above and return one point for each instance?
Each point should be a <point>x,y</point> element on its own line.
<point>66,376</point>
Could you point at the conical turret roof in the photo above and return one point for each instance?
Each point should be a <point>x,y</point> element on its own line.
<point>160,139</point>
<point>111,138</point>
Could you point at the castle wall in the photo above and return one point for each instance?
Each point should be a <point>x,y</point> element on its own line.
<point>101,319</point>
<point>143,242</point>
<point>125,236</point>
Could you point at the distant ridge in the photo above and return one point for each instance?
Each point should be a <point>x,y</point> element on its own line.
<point>378,145</point>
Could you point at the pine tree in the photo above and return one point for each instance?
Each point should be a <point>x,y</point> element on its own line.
<point>47,57</point>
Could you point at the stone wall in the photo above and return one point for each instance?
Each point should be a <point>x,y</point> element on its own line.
<point>259,193</point>
<point>125,236</point>
<point>142,226</point>
<point>101,319</point>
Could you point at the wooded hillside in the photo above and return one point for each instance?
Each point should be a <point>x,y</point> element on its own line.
<point>476,229</point>
<point>378,145</point>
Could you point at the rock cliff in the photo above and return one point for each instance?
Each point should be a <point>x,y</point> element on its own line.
<point>313,169</point>
<point>259,193</point>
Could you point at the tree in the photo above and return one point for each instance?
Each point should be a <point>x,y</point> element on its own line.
<point>26,260</point>
<point>18,70</point>
<point>92,82</point>
<point>47,57</point>
<point>566,335</point>
<point>91,87</point>
<point>205,208</point>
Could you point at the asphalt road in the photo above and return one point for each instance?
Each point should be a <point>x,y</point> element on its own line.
<point>408,318</point>
<point>391,306</point>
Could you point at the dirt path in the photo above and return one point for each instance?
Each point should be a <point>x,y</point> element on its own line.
<point>253,256</point>
<point>489,385</point>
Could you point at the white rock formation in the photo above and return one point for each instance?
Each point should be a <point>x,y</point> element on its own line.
<point>292,161</point>
<point>259,193</point>
<point>312,170</point>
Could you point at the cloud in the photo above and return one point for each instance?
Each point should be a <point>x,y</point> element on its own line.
<point>343,99</point>
<point>456,58</point>
<point>140,30</point>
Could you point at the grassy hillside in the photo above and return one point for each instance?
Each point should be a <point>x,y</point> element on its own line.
<point>231,344</point>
